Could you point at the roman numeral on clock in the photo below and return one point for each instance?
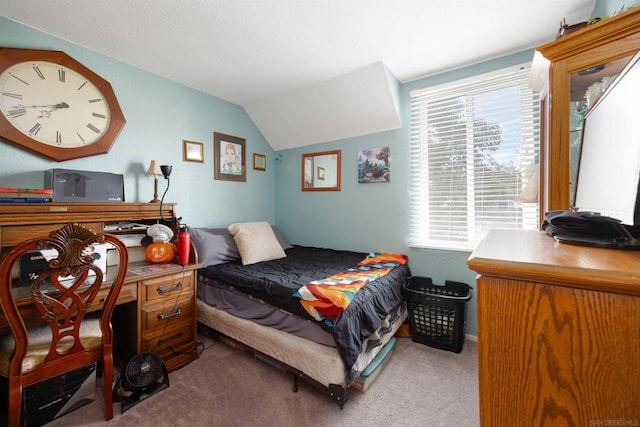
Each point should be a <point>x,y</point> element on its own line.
<point>58,138</point>
<point>35,129</point>
<point>12,95</point>
<point>93,128</point>
<point>38,72</point>
<point>18,112</point>
<point>18,78</point>
<point>61,75</point>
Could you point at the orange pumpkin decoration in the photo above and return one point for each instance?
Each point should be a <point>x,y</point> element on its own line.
<point>160,253</point>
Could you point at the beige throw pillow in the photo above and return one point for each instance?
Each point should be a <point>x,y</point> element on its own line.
<point>256,242</point>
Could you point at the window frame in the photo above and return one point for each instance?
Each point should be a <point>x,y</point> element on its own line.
<point>529,125</point>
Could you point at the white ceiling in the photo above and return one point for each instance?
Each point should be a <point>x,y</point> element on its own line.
<point>266,54</point>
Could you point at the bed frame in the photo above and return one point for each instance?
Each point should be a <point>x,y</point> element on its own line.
<point>319,365</point>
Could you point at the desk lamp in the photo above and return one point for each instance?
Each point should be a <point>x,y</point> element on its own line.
<point>154,171</point>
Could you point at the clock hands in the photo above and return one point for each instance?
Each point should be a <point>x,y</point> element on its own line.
<point>43,112</point>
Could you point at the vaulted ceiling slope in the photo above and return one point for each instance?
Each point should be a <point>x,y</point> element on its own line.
<point>297,63</point>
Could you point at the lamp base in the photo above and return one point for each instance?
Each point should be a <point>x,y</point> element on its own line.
<point>155,190</point>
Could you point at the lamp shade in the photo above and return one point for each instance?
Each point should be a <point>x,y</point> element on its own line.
<point>154,169</point>
<point>530,192</point>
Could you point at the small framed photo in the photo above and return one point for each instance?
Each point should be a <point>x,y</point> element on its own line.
<point>320,173</point>
<point>259,162</point>
<point>192,151</point>
<point>229,157</point>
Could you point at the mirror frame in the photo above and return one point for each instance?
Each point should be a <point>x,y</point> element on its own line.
<point>309,156</point>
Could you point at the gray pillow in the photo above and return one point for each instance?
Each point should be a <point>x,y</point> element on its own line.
<point>280,237</point>
<point>214,247</point>
<point>276,231</point>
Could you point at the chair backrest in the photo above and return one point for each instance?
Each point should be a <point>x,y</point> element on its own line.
<point>63,294</point>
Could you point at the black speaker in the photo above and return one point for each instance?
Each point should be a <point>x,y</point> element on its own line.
<point>53,398</point>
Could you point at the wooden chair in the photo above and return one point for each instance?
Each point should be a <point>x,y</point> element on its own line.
<point>63,294</point>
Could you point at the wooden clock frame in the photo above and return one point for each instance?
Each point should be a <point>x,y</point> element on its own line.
<point>8,133</point>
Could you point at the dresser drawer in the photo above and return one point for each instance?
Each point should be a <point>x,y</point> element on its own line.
<point>128,293</point>
<point>179,335</point>
<point>167,315</point>
<point>165,287</point>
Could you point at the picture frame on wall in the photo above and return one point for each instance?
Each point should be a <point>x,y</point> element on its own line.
<point>259,162</point>
<point>192,151</point>
<point>374,165</point>
<point>229,157</point>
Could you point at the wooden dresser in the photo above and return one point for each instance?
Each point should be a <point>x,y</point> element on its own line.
<point>558,332</point>
<point>156,307</point>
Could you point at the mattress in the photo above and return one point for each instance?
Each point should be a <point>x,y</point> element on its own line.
<point>274,283</point>
<point>320,362</point>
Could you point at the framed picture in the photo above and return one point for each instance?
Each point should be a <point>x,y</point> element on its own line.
<point>192,151</point>
<point>229,157</point>
<point>259,162</point>
<point>373,165</point>
<point>320,173</point>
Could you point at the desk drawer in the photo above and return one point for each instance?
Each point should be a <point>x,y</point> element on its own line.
<point>128,293</point>
<point>173,338</point>
<point>167,315</point>
<point>167,287</point>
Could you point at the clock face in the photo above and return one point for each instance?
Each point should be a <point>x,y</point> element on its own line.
<point>53,104</point>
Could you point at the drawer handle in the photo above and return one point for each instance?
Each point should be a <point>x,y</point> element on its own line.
<point>169,288</point>
<point>170,313</point>
<point>171,338</point>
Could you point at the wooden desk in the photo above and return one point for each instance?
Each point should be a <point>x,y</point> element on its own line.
<point>558,332</point>
<point>156,307</point>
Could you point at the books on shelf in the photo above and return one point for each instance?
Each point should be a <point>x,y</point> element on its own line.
<point>27,195</point>
<point>23,200</point>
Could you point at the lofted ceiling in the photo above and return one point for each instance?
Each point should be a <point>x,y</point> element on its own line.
<point>306,71</point>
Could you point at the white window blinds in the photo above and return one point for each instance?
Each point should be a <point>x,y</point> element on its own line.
<point>474,145</point>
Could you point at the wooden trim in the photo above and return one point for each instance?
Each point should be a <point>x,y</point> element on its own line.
<point>36,213</point>
<point>611,29</point>
<point>603,42</point>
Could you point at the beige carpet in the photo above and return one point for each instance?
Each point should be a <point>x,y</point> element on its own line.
<point>420,386</point>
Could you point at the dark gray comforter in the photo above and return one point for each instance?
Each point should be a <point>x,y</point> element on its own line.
<point>276,281</point>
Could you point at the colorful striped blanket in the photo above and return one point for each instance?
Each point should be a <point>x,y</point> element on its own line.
<point>326,299</point>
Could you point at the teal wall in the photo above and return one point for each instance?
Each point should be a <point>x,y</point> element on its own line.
<point>159,114</point>
<point>372,217</point>
<point>611,7</point>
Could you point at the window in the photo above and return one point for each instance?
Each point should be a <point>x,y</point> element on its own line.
<point>474,146</point>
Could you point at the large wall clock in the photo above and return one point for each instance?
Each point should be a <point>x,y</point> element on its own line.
<point>52,105</point>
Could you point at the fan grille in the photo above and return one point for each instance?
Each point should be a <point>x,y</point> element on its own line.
<point>142,370</point>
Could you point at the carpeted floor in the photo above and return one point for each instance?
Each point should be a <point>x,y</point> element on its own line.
<point>420,386</point>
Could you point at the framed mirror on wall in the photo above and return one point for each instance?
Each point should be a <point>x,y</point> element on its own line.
<point>321,171</point>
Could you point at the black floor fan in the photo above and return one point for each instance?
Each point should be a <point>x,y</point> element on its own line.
<point>144,375</point>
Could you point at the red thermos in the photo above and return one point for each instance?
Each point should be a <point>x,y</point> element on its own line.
<point>184,245</point>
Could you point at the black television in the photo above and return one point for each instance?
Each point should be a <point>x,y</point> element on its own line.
<point>608,174</point>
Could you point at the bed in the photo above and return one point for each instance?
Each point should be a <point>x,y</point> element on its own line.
<point>326,316</point>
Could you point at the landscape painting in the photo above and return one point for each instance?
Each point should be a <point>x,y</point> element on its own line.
<point>373,165</point>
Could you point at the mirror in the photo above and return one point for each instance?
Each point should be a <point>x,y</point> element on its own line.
<point>321,171</point>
